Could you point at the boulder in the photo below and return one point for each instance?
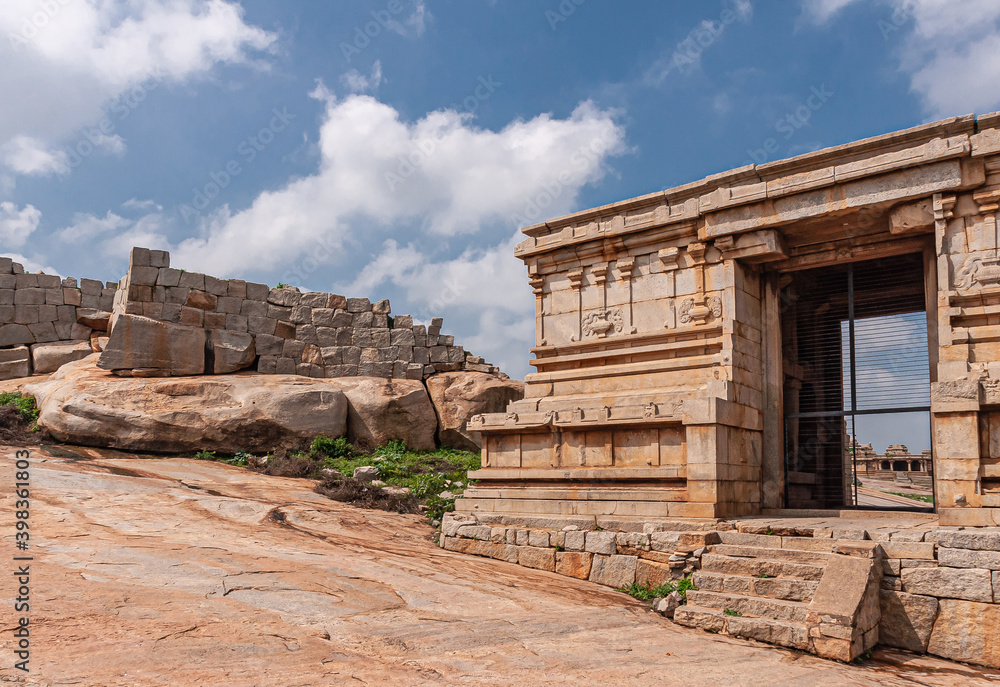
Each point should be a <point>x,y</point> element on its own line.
<point>15,362</point>
<point>83,404</point>
<point>49,357</point>
<point>380,410</point>
<point>457,396</point>
<point>144,343</point>
<point>366,473</point>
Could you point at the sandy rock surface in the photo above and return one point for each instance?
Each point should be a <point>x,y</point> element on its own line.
<point>181,572</point>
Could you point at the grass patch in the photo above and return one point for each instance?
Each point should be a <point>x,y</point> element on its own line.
<point>733,613</point>
<point>922,498</point>
<point>647,592</point>
<point>24,404</point>
<point>427,474</point>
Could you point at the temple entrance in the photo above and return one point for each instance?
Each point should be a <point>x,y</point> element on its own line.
<point>857,386</point>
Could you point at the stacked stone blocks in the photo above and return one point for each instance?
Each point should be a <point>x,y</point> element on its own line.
<point>310,334</point>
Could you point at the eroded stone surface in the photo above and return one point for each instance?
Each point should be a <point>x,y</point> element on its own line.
<point>381,410</point>
<point>907,620</point>
<point>152,575</point>
<point>457,396</point>
<point>967,631</point>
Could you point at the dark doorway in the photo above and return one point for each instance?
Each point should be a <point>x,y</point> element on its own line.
<point>856,372</point>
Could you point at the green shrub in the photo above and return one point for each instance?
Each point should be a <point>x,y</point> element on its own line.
<point>324,446</point>
<point>24,404</point>
<point>205,455</point>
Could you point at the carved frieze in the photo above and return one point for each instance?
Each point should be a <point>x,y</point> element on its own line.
<point>604,323</point>
<point>978,271</point>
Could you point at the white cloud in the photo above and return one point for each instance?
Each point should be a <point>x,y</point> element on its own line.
<point>141,205</point>
<point>685,57</point>
<point>441,174</point>
<point>356,82</point>
<point>420,17</point>
<point>16,225</point>
<point>74,57</point>
<point>114,235</point>
<point>27,155</point>
<point>950,49</point>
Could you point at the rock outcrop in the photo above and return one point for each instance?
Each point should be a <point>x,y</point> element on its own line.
<point>457,396</point>
<point>85,405</point>
<point>380,410</point>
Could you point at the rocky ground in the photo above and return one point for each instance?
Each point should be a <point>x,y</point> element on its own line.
<point>182,572</point>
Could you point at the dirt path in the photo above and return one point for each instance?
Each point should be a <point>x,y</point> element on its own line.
<point>179,572</point>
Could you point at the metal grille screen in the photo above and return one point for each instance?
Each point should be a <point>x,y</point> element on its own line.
<point>856,366</point>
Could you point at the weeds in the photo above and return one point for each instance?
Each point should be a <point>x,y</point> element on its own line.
<point>730,612</point>
<point>24,404</point>
<point>647,592</point>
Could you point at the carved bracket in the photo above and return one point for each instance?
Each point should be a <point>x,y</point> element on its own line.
<point>668,258</point>
<point>700,310</point>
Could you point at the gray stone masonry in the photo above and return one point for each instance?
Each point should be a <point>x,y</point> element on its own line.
<point>310,334</point>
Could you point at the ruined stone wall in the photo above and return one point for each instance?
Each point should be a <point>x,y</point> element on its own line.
<point>281,330</point>
<point>44,309</point>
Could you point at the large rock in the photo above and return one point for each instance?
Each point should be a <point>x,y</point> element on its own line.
<point>15,362</point>
<point>95,319</point>
<point>138,342</point>
<point>457,396</point>
<point>49,357</point>
<point>82,404</point>
<point>380,410</point>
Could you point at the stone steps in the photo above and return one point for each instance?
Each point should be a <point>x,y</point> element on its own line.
<point>791,555</point>
<point>755,567</point>
<point>752,606</point>
<point>783,588</point>
<point>781,632</point>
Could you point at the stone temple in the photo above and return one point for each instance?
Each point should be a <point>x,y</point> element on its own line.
<point>705,351</point>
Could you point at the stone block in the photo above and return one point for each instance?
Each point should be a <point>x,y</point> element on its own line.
<point>252,308</point>
<point>139,342</point>
<point>236,288</point>
<point>49,357</point>
<point>402,322</point>
<point>139,257</point>
<point>159,258</point>
<point>229,305</point>
<point>28,281</point>
<point>301,314</point>
<point>966,631</point>
<point>665,541</point>
<point>906,620</point>
<point>969,539</point>
<point>613,571</point>
<point>540,559</point>
<point>237,323</point>
<point>600,542</point>
<point>192,317</point>
<point>306,333</point>
<point>652,573</point>
<point>268,344</point>
<point>267,364</point>
<point>212,320</point>
<point>949,583</point>
<point>144,276</point>
<point>574,564</point>
<point>201,300</point>
<point>192,280</point>
<point>29,296</point>
<point>363,320</point>
<point>43,332</point>
<point>401,337</point>
<point>292,348</point>
<point>257,292</point>
<point>261,325</point>
<point>91,287</point>
<point>285,366</point>
<point>286,330</point>
<point>538,538</point>
<point>54,296</point>
<point>15,362</point>
<point>968,558</point>
<point>165,276</point>
<point>358,305</point>
<point>71,296</point>
<point>216,287</point>
<point>286,296</point>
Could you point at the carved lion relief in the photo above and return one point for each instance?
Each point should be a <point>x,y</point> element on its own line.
<point>604,323</point>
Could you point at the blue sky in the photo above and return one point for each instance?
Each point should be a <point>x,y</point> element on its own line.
<point>390,148</point>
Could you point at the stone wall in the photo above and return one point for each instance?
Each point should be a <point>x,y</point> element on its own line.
<point>280,330</point>
<point>939,586</point>
<point>37,310</point>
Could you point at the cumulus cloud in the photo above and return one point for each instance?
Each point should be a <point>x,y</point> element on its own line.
<point>441,174</point>
<point>77,56</point>
<point>114,235</point>
<point>950,49</point>
<point>16,225</point>
<point>685,57</point>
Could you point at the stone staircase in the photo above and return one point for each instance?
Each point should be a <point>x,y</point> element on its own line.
<point>763,588</point>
